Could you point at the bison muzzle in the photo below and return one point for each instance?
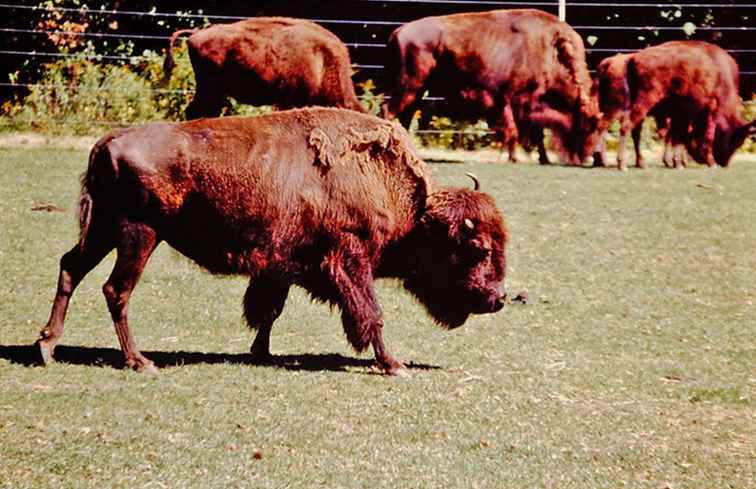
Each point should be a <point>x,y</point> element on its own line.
<point>327,199</point>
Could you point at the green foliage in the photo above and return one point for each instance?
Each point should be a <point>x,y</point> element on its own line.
<point>81,94</point>
<point>76,94</point>
<point>370,100</point>
<point>749,113</point>
<point>446,133</point>
<point>170,97</point>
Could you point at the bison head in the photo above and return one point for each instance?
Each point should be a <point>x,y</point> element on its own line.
<point>576,134</point>
<point>458,262</point>
<point>729,135</point>
<point>728,138</point>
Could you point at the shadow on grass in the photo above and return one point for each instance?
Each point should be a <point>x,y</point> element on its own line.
<point>553,164</point>
<point>110,357</point>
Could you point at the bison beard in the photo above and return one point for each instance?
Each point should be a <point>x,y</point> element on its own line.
<point>344,201</point>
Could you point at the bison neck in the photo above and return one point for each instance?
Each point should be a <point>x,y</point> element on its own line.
<point>400,259</point>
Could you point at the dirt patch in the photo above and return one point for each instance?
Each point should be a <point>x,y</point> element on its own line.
<point>33,140</point>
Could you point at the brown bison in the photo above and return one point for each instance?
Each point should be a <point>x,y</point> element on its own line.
<point>611,88</point>
<point>522,70</point>
<point>266,61</point>
<point>695,86</point>
<point>323,198</point>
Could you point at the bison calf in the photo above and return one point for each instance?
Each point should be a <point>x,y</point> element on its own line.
<point>267,61</point>
<point>326,199</point>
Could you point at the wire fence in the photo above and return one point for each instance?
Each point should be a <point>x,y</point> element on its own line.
<point>745,55</point>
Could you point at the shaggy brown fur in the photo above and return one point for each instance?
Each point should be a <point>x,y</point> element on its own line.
<point>522,70</point>
<point>326,199</point>
<point>267,61</point>
<point>613,93</point>
<point>695,84</point>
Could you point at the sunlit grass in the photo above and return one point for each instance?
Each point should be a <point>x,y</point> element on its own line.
<point>633,366</point>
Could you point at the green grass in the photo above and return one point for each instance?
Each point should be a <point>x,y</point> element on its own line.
<point>633,366</point>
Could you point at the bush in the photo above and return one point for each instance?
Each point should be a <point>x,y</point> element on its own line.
<point>77,95</point>
<point>370,100</point>
<point>450,134</point>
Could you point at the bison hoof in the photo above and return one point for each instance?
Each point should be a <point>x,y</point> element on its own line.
<point>391,366</point>
<point>392,371</point>
<point>143,366</point>
<point>44,353</point>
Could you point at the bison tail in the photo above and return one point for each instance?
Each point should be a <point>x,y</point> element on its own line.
<point>85,217</point>
<point>169,63</point>
<point>96,185</point>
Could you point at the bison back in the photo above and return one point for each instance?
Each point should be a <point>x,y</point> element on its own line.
<point>240,194</point>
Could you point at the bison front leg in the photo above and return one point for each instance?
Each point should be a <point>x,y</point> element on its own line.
<point>263,302</point>
<point>350,274</point>
<point>708,141</point>
<point>543,156</point>
<point>136,244</point>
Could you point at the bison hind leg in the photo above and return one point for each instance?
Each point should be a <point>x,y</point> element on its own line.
<point>74,266</point>
<point>136,242</point>
<point>263,302</point>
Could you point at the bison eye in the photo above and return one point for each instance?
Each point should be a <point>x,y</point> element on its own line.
<point>478,251</point>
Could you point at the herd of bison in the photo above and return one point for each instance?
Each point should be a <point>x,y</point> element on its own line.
<point>329,198</point>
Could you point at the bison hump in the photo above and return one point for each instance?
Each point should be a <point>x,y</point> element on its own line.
<point>376,143</point>
<point>346,148</point>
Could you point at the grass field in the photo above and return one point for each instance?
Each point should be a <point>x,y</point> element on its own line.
<point>632,367</point>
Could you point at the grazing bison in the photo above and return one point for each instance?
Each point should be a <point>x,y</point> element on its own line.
<point>695,85</point>
<point>326,199</point>
<point>266,61</point>
<point>611,88</point>
<point>522,70</point>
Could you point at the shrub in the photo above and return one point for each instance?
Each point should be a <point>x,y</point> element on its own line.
<point>447,133</point>
<point>78,95</point>
<point>370,100</point>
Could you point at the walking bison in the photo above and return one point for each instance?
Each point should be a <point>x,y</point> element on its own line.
<point>695,85</point>
<point>266,61</point>
<point>522,70</point>
<point>323,198</point>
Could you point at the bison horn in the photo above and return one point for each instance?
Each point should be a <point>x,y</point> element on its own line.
<point>476,182</point>
<point>469,223</point>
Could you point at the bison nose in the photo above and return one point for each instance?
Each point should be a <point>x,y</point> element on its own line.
<point>500,301</point>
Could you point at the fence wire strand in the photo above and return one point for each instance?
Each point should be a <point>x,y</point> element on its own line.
<point>356,22</point>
